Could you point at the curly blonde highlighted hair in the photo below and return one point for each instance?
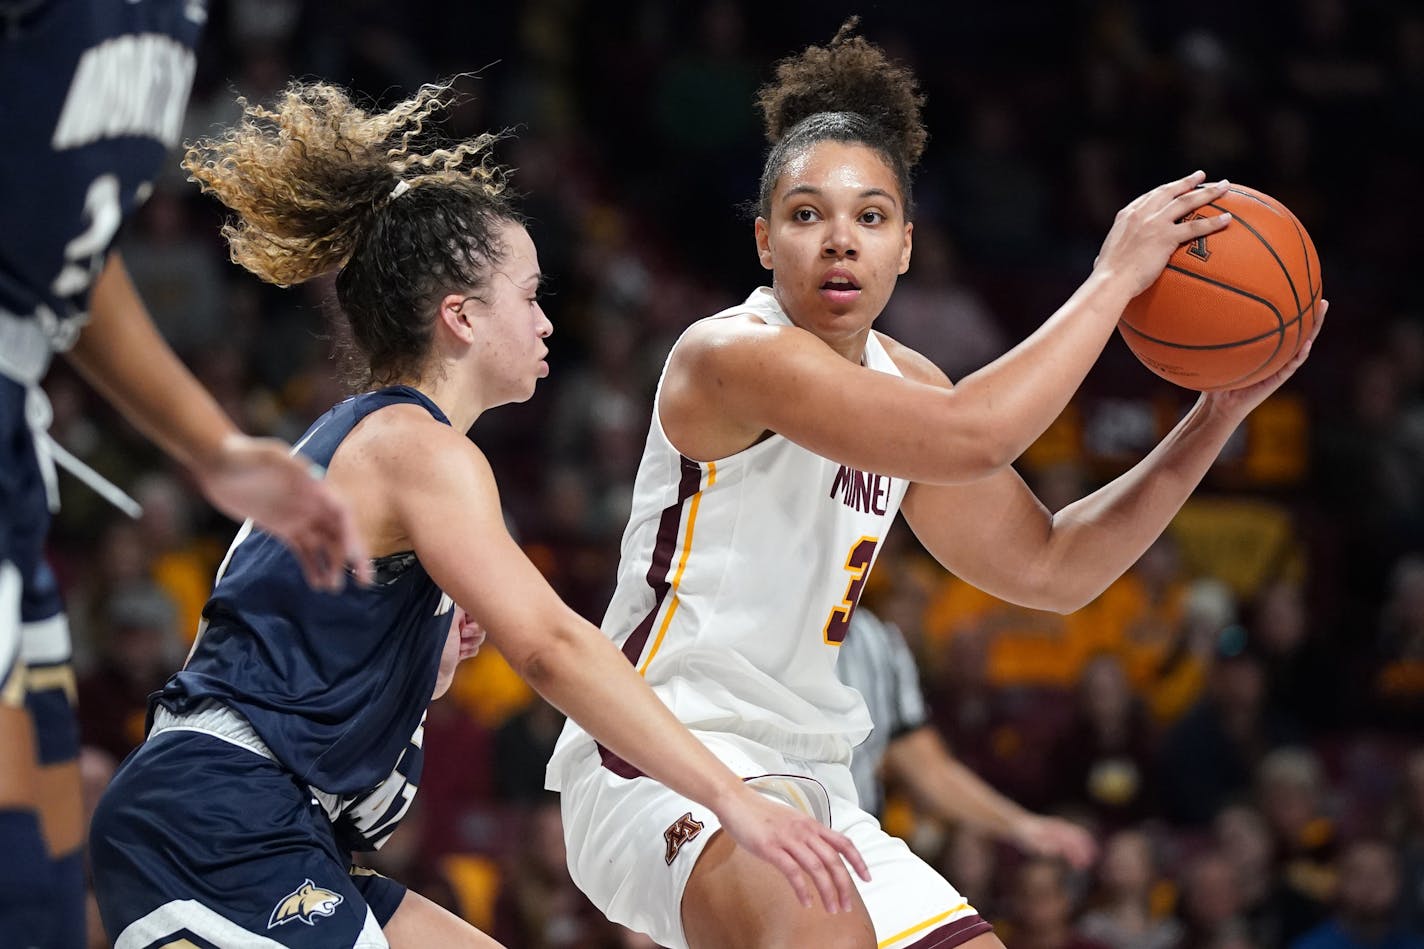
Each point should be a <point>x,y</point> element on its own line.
<point>313,182</point>
<point>306,176</point>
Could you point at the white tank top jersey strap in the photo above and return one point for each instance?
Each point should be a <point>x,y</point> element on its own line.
<point>737,581</point>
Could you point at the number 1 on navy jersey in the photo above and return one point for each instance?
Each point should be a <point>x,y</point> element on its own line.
<point>862,552</point>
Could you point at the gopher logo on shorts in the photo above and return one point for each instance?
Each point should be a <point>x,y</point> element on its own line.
<point>305,903</point>
<point>682,830</point>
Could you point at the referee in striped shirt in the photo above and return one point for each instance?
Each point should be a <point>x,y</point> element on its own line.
<point>876,661</point>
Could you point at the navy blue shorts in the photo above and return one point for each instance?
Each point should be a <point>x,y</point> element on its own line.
<point>200,839</point>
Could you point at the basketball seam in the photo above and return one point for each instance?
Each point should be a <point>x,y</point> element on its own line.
<point>1231,345</point>
<point>1309,277</point>
<point>1228,384</point>
<point>1285,271</point>
<point>1280,210</point>
<point>1305,252</point>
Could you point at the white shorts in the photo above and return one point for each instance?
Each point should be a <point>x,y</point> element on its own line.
<point>632,845</point>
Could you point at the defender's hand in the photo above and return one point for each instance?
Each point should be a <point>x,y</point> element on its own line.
<point>258,478</point>
<point>472,634</point>
<point>797,845</point>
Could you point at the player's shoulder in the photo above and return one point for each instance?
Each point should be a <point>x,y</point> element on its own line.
<point>727,327</point>
<point>739,339</point>
<point>912,364</point>
<point>404,439</point>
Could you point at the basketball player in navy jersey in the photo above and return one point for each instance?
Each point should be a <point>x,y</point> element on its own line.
<point>292,733</point>
<point>80,152</point>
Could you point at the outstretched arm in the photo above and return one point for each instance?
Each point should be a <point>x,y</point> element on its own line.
<point>729,381</point>
<point>122,355</point>
<point>445,498</point>
<point>943,786</point>
<point>996,535</point>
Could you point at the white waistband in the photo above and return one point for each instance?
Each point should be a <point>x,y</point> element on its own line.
<point>25,353</point>
<point>212,718</point>
<point>25,350</point>
<point>46,642</point>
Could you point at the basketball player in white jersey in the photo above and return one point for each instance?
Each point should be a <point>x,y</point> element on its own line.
<point>785,435</point>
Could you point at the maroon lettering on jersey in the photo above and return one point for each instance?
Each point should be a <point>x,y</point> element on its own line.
<point>683,829</point>
<point>867,493</point>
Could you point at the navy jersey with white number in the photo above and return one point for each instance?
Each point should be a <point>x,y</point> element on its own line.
<point>92,96</point>
<point>335,684</point>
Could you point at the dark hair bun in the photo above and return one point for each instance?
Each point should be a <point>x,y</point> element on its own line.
<point>850,74</point>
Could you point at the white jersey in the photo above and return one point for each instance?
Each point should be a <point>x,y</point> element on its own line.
<point>737,581</point>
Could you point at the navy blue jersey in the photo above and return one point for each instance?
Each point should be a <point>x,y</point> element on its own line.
<point>334,683</point>
<point>92,95</point>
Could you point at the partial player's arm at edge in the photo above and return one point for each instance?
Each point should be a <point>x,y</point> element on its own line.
<point>942,785</point>
<point>122,355</point>
<point>996,535</point>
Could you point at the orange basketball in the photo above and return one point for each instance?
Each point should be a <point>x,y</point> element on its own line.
<point>1232,307</point>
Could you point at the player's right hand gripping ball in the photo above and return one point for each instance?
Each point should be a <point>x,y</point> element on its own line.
<point>1232,307</point>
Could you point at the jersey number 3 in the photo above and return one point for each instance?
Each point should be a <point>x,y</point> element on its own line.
<point>858,566</point>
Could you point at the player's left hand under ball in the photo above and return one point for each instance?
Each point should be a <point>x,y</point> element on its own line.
<point>1243,400</point>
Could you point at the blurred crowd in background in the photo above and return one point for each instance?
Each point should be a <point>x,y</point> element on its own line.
<point>1238,719</point>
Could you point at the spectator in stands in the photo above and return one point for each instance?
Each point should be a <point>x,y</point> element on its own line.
<point>1241,835</point>
<point>1043,907</point>
<point>539,907</point>
<point>1397,674</point>
<point>1102,762</point>
<point>1125,917</point>
<point>1211,908</point>
<point>1366,915</point>
<point>1407,833</point>
<point>1290,788</point>
<point>975,718</point>
<point>1211,754</point>
<point>1301,679</point>
<point>180,565</point>
<point>1140,614</point>
<point>1370,477</point>
<point>138,650</point>
<point>971,859</point>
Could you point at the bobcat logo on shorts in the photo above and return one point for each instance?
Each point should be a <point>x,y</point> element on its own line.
<point>305,902</point>
<point>682,830</point>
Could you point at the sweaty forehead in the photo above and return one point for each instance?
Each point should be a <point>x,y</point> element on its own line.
<point>839,167</point>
